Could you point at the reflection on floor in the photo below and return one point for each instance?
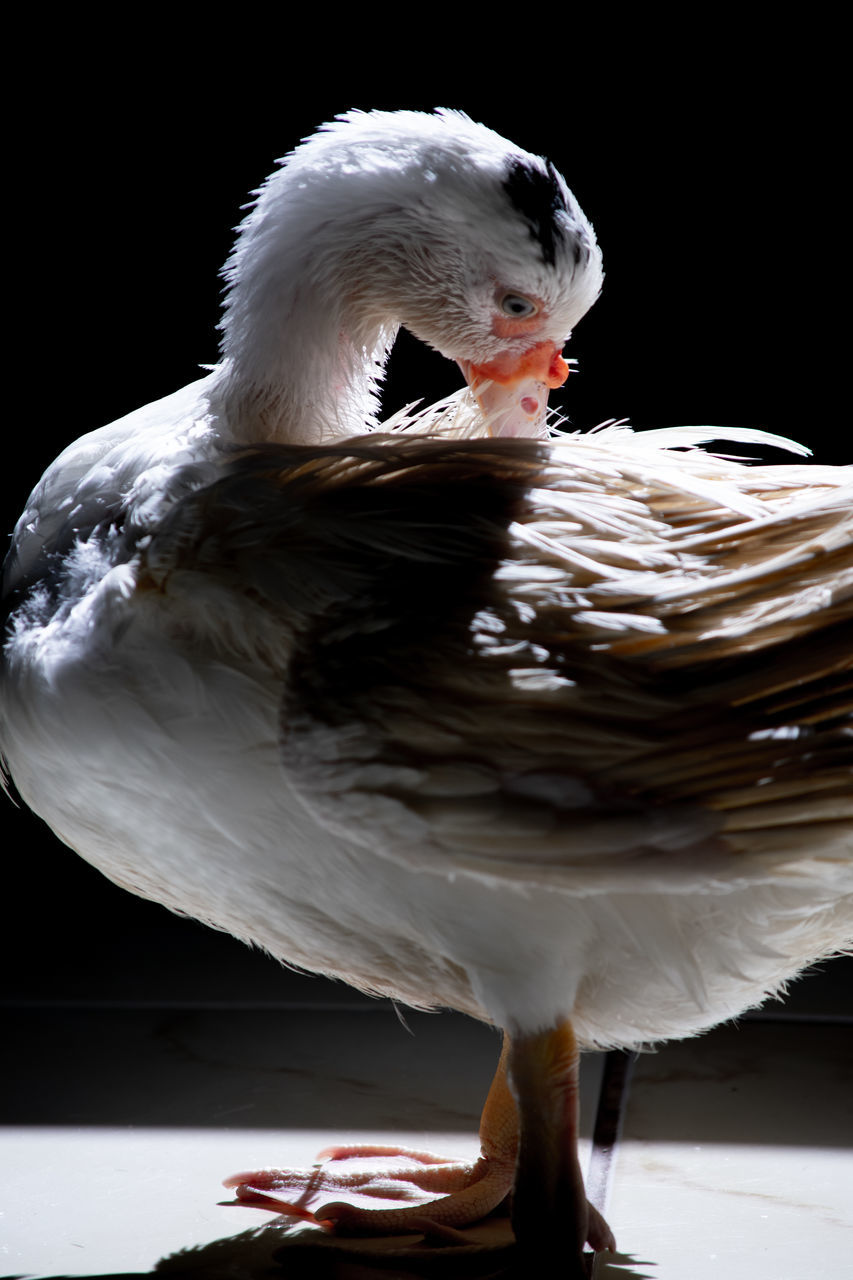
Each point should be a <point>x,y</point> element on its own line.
<point>130,1093</point>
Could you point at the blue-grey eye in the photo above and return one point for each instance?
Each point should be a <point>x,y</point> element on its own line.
<point>517,306</point>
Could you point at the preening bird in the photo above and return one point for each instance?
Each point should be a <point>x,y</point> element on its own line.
<point>553,731</point>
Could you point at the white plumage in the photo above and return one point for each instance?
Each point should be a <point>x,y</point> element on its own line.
<point>554,732</point>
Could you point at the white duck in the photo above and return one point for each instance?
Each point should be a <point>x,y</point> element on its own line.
<point>554,733</point>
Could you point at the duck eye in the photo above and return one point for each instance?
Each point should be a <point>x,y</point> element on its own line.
<point>516,306</point>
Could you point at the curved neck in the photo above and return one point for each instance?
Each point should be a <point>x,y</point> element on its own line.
<point>306,331</point>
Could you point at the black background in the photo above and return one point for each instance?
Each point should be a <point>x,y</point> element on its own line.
<point>708,160</point>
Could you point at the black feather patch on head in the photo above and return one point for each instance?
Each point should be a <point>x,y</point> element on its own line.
<point>537,194</point>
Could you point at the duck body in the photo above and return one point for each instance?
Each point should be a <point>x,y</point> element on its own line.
<point>540,730</point>
<point>150,714</point>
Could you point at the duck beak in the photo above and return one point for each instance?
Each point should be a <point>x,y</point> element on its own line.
<point>512,390</point>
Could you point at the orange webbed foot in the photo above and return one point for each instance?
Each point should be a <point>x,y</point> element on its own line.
<point>464,1192</point>
<point>461,1193</point>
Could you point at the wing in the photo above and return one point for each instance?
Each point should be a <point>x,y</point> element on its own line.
<point>586,665</point>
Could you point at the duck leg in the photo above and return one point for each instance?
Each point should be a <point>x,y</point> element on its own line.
<point>551,1216</point>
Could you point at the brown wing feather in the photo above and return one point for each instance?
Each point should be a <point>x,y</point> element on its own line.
<point>545,659</point>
